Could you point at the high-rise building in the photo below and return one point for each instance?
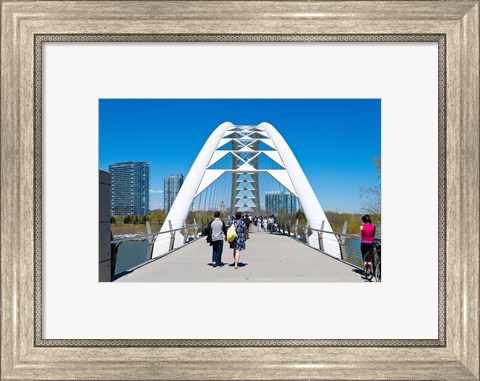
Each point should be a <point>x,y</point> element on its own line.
<point>130,188</point>
<point>276,202</point>
<point>171,187</point>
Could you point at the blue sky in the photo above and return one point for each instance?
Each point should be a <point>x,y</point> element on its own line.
<point>334,140</point>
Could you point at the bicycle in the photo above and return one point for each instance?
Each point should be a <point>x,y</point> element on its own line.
<point>368,266</point>
<point>377,252</point>
<point>372,263</point>
<point>378,271</point>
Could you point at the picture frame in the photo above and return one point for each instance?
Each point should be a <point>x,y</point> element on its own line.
<point>455,357</point>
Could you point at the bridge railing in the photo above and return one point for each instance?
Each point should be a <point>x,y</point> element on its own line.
<point>131,251</point>
<point>349,243</point>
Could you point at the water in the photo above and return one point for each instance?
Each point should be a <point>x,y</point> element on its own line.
<point>130,254</point>
<point>352,248</point>
<point>133,253</point>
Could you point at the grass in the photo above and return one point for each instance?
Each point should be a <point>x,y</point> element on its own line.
<point>122,229</point>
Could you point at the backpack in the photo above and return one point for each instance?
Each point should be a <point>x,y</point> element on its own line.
<point>207,231</point>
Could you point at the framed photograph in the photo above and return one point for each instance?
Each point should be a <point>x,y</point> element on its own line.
<point>264,172</point>
<point>236,94</point>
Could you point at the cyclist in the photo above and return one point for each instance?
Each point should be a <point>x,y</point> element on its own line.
<point>368,237</point>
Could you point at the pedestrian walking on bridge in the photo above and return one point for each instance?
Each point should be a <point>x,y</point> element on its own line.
<point>242,234</point>
<point>218,233</point>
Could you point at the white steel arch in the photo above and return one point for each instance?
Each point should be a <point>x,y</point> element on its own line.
<point>291,176</point>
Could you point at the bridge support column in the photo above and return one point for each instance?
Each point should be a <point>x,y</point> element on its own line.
<point>196,228</point>
<point>342,239</point>
<point>320,237</point>
<point>305,233</point>
<point>151,242</point>
<point>185,232</point>
<point>172,236</point>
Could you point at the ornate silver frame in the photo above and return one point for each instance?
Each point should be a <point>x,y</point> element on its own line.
<point>26,24</point>
<point>40,39</point>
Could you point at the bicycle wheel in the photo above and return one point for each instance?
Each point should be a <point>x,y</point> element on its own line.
<point>378,272</point>
<point>368,267</point>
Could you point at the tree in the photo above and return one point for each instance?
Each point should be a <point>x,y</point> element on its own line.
<point>372,195</point>
<point>127,220</point>
<point>300,216</point>
<point>157,216</point>
<point>337,220</point>
<point>113,220</point>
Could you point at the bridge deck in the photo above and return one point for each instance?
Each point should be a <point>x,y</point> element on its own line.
<point>267,258</point>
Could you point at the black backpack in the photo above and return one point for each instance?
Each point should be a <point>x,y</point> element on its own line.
<point>207,231</point>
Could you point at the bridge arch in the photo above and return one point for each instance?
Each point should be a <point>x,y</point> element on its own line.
<point>289,174</point>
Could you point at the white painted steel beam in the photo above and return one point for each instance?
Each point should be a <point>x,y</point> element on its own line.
<point>217,155</point>
<point>222,142</point>
<point>275,156</point>
<point>208,178</point>
<point>281,175</point>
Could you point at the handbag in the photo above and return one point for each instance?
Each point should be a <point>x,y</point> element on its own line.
<point>231,233</point>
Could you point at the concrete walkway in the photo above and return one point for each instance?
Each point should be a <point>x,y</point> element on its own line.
<point>267,258</point>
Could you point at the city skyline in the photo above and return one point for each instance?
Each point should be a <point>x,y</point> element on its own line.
<point>334,140</point>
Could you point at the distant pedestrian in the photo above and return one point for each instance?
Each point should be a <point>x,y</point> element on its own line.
<point>271,222</point>
<point>238,244</point>
<point>247,221</point>
<point>218,233</point>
